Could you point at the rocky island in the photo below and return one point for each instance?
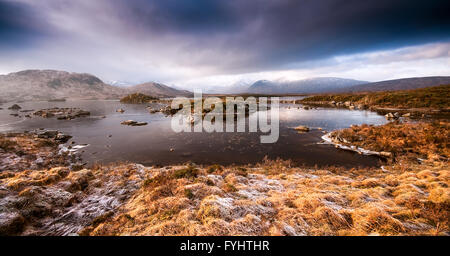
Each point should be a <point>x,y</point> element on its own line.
<point>62,113</point>
<point>137,98</point>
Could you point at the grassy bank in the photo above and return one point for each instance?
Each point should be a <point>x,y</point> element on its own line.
<point>425,140</point>
<point>431,98</point>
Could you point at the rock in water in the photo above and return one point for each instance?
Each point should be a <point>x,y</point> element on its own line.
<point>63,138</point>
<point>139,124</point>
<point>128,122</point>
<point>133,123</point>
<point>15,107</point>
<point>390,116</point>
<point>302,128</point>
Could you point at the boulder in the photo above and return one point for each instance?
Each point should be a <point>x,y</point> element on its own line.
<point>80,113</point>
<point>15,107</point>
<point>48,134</point>
<point>63,138</point>
<point>386,154</point>
<point>139,124</point>
<point>128,122</point>
<point>390,116</point>
<point>406,115</point>
<point>133,123</point>
<point>302,128</point>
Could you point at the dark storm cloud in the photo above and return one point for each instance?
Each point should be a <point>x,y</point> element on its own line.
<point>19,25</point>
<point>220,36</point>
<point>315,29</point>
<point>187,16</point>
<point>286,31</point>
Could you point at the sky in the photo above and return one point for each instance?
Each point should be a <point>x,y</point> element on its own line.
<point>216,43</point>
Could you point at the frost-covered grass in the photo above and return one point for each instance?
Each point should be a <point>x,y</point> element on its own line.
<point>271,199</point>
<point>404,197</point>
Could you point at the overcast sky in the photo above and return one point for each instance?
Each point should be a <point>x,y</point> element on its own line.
<point>200,43</point>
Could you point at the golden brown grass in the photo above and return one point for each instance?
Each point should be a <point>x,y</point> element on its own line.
<point>272,198</point>
<point>25,148</point>
<point>432,97</point>
<point>7,144</point>
<point>429,140</point>
<point>401,201</point>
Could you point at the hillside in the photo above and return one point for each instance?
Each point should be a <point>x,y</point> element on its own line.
<point>401,84</point>
<point>437,97</point>
<point>158,90</point>
<point>342,85</point>
<point>51,84</point>
<point>305,86</point>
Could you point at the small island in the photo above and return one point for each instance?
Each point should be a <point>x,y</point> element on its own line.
<point>137,98</point>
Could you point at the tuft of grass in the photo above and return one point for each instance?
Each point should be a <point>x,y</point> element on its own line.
<point>214,168</point>
<point>209,182</point>
<point>157,180</point>
<point>229,188</point>
<point>7,144</point>
<point>188,172</point>
<point>242,171</point>
<point>188,193</point>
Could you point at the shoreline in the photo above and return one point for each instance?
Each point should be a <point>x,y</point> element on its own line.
<point>270,198</point>
<point>417,103</point>
<point>329,140</point>
<point>415,113</point>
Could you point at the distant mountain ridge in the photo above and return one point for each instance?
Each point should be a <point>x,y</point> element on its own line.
<point>305,86</point>
<point>401,84</point>
<point>342,85</point>
<point>158,90</point>
<point>52,84</point>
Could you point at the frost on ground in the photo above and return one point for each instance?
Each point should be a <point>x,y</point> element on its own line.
<point>62,202</point>
<point>268,199</point>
